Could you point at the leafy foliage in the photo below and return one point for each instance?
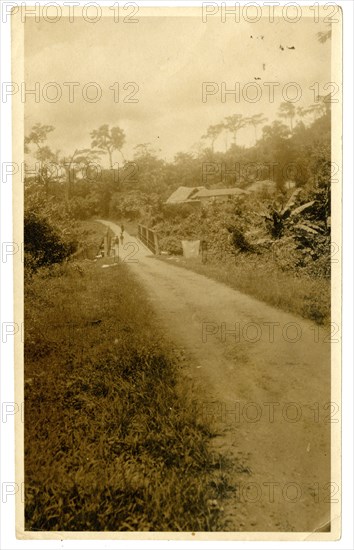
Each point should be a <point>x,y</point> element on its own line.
<point>295,221</point>
<point>43,245</point>
<point>107,140</point>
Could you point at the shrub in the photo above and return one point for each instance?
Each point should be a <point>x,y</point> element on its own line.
<point>239,240</point>
<point>42,242</point>
<point>171,244</point>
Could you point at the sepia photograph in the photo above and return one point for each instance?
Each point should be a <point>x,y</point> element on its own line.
<point>178,197</point>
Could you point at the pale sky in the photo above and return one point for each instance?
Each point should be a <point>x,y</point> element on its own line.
<point>169,58</point>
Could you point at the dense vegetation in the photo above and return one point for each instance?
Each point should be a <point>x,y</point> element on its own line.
<point>282,231</point>
<point>301,154</point>
<point>80,189</point>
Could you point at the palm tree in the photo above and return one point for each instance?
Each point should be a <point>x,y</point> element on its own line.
<point>107,140</point>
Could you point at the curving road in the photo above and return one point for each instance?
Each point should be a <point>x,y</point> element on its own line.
<point>262,377</point>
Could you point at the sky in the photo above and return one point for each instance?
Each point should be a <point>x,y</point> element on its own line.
<point>168,59</point>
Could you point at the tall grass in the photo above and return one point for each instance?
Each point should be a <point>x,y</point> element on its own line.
<point>293,292</point>
<point>111,439</point>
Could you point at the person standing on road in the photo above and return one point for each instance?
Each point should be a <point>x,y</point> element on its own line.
<point>122,234</point>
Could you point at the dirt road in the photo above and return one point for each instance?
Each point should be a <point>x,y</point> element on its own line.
<point>263,377</point>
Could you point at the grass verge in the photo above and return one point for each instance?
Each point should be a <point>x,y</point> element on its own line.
<point>298,294</point>
<point>111,438</point>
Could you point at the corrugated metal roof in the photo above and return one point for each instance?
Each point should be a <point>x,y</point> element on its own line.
<point>182,194</point>
<point>204,193</point>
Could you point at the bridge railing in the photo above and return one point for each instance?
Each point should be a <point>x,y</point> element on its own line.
<point>149,238</point>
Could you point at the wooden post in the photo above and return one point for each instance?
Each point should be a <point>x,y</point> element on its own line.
<point>156,243</point>
<point>109,236</point>
<point>105,245</point>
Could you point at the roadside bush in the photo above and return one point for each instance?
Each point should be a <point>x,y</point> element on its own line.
<point>178,211</point>
<point>83,208</point>
<point>171,245</point>
<point>245,227</point>
<point>238,239</point>
<point>42,243</point>
<point>127,206</point>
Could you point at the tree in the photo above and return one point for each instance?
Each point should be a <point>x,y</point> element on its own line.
<point>108,140</point>
<point>234,123</point>
<point>276,131</point>
<point>38,134</point>
<point>147,172</point>
<point>43,244</point>
<point>302,112</point>
<point>186,170</point>
<point>256,120</point>
<point>276,150</point>
<point>78,162</point>
<point>316,110</point>
<point>213,133</point>
<point>287,110</point>
<point>44,154</point>
<point>143,149</point>
<point>321,107</point>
